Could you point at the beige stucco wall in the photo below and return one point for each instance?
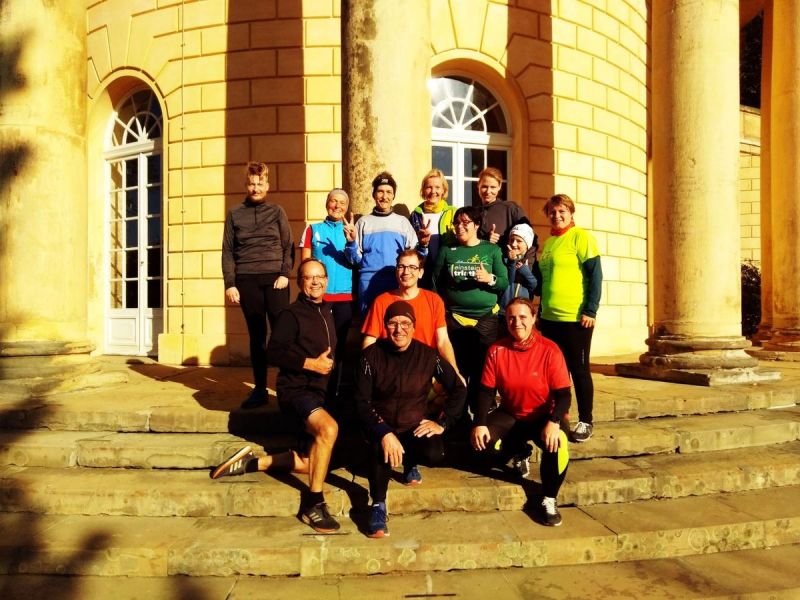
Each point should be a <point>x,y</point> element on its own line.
<point>750,183</point>
<point>262,80</point>
<point>574,78</point>
<point>237,80</point>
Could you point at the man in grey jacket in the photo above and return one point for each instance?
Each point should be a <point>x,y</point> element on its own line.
<point>257,256</point>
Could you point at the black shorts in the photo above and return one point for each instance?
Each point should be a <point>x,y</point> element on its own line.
<point>296,408</point>
<point>301,403</point>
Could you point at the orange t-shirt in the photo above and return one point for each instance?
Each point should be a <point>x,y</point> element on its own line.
<point>428,310</point>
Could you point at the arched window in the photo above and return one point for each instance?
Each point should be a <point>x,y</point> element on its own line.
<point>469,132</point>
<point>133,158</point>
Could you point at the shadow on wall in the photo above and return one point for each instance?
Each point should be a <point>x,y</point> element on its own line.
<point>264,121</point>
<point>23,412</point>
<point>530,63</point>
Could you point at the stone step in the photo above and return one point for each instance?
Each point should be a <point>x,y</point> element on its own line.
<point>46,448</point>
<point>226,546</point>
<point>139,492</point>
<point>169,407</point>
<point>762,573</point>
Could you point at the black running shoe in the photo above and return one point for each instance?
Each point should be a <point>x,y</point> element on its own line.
<point>236,464</point>
<point>318,517</point>
<point>257,397</point>
<point>548,513</point>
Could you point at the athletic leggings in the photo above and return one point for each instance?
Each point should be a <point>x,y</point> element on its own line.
<point>470,345</point>
<point>575,343</point>
<point>514,435</point>
<point>425,450</point>
<point>261,303</point>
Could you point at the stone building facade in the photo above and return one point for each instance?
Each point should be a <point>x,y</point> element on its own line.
<point>153,107</point>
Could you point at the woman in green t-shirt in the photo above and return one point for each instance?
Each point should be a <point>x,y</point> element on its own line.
<point>571,280</point>
<point>470,277</point>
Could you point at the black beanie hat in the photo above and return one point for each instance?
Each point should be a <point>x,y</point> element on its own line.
<point>384,178</point>
<point>401,308</point>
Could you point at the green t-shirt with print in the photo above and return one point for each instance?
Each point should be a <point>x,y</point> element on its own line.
<point>454,278</point>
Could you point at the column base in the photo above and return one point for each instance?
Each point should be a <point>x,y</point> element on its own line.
<point>41,368</point>
<point>697,361</point>
<point>783,345</point>
<point>763,335</point>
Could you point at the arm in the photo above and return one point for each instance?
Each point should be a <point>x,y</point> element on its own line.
<point>306,240</point>
<point>445,374</point>
<point>412,240</point>
<point>352,248</point>
<point>499,270</point>
<point>368,341</point>
<point>529,281</point>
<point>480,435</point>
<point>593,273</point>
<point>362,396</point>
<point>445,347</point>
<point>282,348</point>
<point>228,241</point>
<point>287,244</point>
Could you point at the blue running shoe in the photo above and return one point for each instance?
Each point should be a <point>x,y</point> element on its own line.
<point>412,476</point>
<point>377,521</point>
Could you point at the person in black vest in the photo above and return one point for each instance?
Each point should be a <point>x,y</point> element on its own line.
<point>302,347</point>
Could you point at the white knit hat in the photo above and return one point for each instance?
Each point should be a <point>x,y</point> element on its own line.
<point>524,231</point>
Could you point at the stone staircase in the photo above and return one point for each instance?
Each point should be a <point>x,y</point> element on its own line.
<point>114,483</point>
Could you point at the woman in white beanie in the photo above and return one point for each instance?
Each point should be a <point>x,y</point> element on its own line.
<point>520,261</point>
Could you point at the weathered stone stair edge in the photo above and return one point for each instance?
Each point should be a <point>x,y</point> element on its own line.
<point>184,415</point>
<point>759,574</point>
<point>191,493</point>
<point>705,433</point>
<point>223,546</point>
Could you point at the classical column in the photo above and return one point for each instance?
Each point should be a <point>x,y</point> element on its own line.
<point>785,185</point>
<point>764,332</point>
<point>43,194</point>
<point>386,115</point>
<point>696,336</point>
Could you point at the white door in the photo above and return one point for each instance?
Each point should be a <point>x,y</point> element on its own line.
<point>135,284</point>
<point>135,260</point>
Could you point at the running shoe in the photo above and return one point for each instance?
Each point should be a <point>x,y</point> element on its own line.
<point>258,397</point>
<point>236,464</point>
<point>582,432</point>
<point>319,519</point>
<point>377,521</point>
<point>412,476</point>
<point>548,513</point>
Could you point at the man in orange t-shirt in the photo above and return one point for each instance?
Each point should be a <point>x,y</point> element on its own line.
<point>431,327</point>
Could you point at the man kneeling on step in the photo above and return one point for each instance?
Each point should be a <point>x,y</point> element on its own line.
<point>302,347</point>
<point>392,384</point>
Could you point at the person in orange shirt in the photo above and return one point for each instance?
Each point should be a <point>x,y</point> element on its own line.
<point>431,326</point>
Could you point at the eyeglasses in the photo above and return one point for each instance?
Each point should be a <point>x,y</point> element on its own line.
<point>462,223</point>
<point>412,268</point>
<point>314,278</point>
<point>404,325</point>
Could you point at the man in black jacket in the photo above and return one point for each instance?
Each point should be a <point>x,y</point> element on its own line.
<point>302,347</point>
<point>392,384</point>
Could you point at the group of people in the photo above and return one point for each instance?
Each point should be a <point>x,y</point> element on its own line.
<point>446,300</point>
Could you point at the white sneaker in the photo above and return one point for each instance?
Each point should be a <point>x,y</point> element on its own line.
<point>582,432</point>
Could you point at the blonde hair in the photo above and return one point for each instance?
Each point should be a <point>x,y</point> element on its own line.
<point>431,174</point>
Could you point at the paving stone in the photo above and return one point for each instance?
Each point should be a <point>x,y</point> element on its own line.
<point>670,528</point>
<point>767,573</point>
